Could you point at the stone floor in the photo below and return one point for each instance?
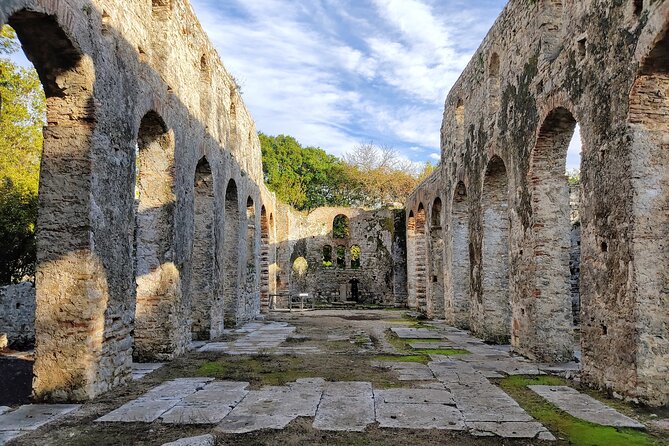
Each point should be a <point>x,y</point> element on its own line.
<point>450,392</point>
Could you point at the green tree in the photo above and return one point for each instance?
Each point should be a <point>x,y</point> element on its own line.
<point>21,120</point>
<point>304,177</point>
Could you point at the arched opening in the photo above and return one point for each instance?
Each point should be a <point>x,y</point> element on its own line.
<point>494,82</point>
<point>232,227</point>
<point>457,306</point>
<point>66,264</point>
<point>154,206</point>
<point>421,260</point>
<point>354,286</point>
<point>251,271</point>
<point>436,305</point>
<point>649,122</point>
<point>460,124</point>
<point>298,272</point>
<point>356,254</point>
<point>327,256</point>
<point>494,307</point>
<point>204,255</point>
<point>341,256</point>
<point>341,227</point>
<point>549,309</point>
<point>264,259</point>
<point>411,260</point>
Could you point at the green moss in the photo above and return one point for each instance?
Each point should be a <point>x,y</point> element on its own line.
<point>563,425</point>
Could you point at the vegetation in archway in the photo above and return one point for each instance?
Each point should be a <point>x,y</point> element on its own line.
<point>21,120</point>
<point>307,177</point>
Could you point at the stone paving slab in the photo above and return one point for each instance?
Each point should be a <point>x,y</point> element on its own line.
<point>414,396</point>
<point>345,406</point>
<point>141,410</point>
<point>4,410</point>
<point>584,407</point>
<point>140,370</point>
<point>202,440</point>
<point>274,407</point>
<point>510,430</point>
<point>432,345</point>
<point>416,333</point>
<point>6,436</point>
<point>407,371</point>
<point>33,416</point>
<point>208,406</point>
<point>419,416</point>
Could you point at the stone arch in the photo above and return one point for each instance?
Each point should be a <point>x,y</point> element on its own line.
<point>548,309</point>
<point>649,122</point>
<point>154,224</point>
<point>494,313</point>
<point>67,266</point>
<point>264,259</point>
<point>494,82</point>
<point>411,260</point>
<point>341,227</point>
<point>458,300</point>
<point>231,247</point>
<point>436,263</point>
<point>421,259</point>
<point>205,317</point>
<point>460,124</point>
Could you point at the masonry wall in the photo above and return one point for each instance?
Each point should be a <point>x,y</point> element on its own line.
<point>544,67</point>
<point>380,277</point>
<point>106,65</point>
<point>17,314</point>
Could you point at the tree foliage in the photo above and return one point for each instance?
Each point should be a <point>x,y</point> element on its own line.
<point>307,177</point>
<point>21,120</point>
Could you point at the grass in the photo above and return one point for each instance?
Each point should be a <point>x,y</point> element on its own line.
<point>563,425</point>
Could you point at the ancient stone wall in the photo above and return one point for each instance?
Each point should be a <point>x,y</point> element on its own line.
<point>544,67</point>
<point>17,314</point>
<point>366,266</point>
<point>146,130</point>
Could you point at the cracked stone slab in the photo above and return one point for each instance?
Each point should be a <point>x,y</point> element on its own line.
<point>407,371</point>
<point>207,406</point>
<point>141,410</point>
<point>202,440</point>
<point>4,410</point>
<point>274,407</point>
<point>416,333</point>
<point>510,430</point>
<point>432,345</point>
<point>414,396</point>
<point>419,416</point>
<point>345,406</point>
<point>584,407</point>
<point>6,436</point>
<point>33,416</point>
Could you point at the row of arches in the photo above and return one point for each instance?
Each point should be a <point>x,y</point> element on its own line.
<point>448,280</point>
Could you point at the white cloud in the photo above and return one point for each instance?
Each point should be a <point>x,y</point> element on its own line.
<point>334,73</point>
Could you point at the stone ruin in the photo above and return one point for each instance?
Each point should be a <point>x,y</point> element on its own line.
<point>155,227</point>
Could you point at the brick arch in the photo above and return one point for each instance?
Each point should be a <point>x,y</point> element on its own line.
<point>435,307</point>
<point>421,259</point>
<point>232,222</point>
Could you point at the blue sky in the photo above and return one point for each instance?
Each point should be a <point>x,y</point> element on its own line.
<point>337,73</point>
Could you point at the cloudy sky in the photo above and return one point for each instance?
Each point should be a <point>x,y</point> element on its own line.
<point>335,73</point>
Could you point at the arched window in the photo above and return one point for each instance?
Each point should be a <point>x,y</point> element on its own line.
<point>355,256</point>
<point>341,257</point>
<point>341,227</point>
<point>327,255</point>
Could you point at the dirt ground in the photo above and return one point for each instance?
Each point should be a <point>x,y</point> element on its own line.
<point>348,341</point>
